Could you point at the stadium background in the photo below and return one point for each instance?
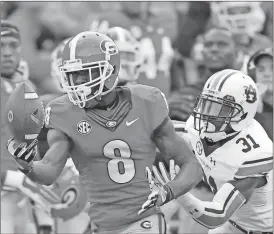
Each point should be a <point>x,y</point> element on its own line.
<point>45,24</point>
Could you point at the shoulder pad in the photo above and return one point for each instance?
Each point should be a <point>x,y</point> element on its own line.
<point>60,102</point>
<point>145,92</point>
<point>47,98</point>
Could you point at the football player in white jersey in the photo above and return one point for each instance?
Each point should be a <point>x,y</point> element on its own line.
<point>235,153</point>
<point>132,59</point>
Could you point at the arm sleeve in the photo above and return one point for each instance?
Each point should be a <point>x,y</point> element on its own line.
<point>255,166</point>
<point>215,213</point>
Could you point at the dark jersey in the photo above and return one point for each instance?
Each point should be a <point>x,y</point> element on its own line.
<point>111,150</point>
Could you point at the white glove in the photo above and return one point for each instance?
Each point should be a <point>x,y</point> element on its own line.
<point>160,192</point>
<point>164,177</point>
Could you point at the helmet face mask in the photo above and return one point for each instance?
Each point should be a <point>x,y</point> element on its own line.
<point>213,115</point>
<point>90,67</point>
<point>130,53</point>
<point>130,66</point>
<point>240,17</point>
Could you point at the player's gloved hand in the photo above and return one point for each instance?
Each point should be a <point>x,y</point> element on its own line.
<point>163,176</point>
<point>23,154</point>
<point>161,193</point>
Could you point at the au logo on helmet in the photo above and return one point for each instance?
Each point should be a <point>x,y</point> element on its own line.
<point>251,94</point>
<point>108,47</point>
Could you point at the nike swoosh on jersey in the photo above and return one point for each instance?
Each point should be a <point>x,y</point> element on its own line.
<point>131,122</point>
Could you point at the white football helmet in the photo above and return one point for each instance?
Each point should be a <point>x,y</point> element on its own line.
<point>239,17</point>
<point>90,67</point>
<point>56,60</point>
<point>130,53</point>
<point>229,98</point>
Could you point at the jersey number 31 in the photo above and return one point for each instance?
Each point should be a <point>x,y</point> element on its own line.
<point>246,144</point>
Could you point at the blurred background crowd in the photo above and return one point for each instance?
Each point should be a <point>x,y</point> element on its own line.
<point>184,43</point>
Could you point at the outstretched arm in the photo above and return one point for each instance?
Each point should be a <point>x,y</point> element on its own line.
<point>175,147</point>
<point>229,198</point>
<point>47,170</point>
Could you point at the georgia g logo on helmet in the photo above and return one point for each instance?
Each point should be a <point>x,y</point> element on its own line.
<point>108,47</point>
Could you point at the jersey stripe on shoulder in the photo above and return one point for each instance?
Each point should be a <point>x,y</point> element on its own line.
<point>255,167</point>
<point>258,161</point>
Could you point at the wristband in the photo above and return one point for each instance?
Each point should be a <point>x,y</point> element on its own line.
<point>28,170</point>
<point>170,194</point>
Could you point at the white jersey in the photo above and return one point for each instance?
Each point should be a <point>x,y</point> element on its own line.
<point>249,154</point>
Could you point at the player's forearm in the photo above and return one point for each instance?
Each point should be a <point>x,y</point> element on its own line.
<point>191,172</point>
<point>189,176</point>
<point>47,170</point>
<point>215,213</point>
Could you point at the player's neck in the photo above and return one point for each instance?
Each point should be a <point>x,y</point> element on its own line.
<point>109,101</point>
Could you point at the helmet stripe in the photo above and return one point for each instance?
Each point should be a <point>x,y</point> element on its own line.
<point>217,77</point>
<point>220,78</point>
<point>212,79</point>
<point>73,44</point>
<point>224,80</point>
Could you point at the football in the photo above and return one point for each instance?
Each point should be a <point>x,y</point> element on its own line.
<point>24,113</point>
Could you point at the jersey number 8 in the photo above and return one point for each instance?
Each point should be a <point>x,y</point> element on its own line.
<point>121,167</point>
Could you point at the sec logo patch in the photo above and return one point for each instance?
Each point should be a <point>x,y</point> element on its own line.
<point>84,127</point>
<point>146,224</point>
